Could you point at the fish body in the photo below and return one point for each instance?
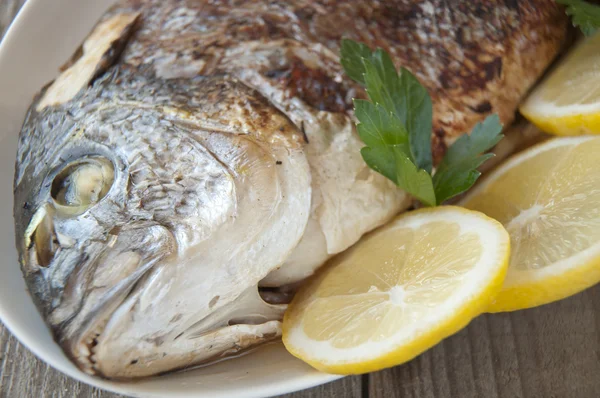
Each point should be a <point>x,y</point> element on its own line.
<point>192,153</point>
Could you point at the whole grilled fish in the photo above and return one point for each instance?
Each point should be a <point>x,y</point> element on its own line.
<point>192,151</point>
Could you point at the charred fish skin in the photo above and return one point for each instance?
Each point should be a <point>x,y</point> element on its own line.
<point>192,150</point>
<point>476,57</point>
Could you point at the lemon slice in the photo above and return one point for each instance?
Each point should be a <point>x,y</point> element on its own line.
<point>567,102</point>
<point>398,292</point>
<point>548,198</point>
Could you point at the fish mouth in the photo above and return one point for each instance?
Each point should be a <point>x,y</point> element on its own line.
<point>81,346</point>
<point>83,351</point>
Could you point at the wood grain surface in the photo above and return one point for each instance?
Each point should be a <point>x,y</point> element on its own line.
<point>551,351</point>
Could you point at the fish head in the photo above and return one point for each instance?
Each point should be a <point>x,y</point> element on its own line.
<point>147,211</point>
<point>84,246</point>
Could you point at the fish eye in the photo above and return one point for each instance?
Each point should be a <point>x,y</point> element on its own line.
<point>82,183</point>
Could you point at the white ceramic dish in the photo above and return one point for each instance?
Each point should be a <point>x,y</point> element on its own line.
<point>42,37</point>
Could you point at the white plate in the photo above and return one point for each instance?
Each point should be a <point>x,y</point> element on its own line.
<point>42,37</point>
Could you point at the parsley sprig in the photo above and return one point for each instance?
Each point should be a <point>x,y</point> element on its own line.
<point>583,14</point>
<point>396,126</point>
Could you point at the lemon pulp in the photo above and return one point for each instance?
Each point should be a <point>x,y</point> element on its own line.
<point>398,291</point>
<point>548,198</point>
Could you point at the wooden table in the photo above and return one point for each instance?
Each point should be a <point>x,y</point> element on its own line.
<point>551,351</point>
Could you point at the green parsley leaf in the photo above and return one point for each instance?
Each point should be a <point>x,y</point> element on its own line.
<point>378,126</point>
<point>417,115</point>
<point>483,137</point>
<point>458,178</point>
<point>396,126</point>
<point>394,163</point>
<point>583,14</point>
<point>458,170</point>
<point>407,98</point>
<point>352,54</point>
<point>382,159</point>
<point>417,182</point>
<point>381,80</point>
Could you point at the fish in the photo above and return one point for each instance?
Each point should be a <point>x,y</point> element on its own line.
<point>194,161</point>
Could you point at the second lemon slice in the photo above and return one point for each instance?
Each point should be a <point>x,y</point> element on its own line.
<point>548,198</point>
<point>399,291</point>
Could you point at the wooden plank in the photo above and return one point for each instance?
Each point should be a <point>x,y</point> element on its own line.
<point>348,387</point>
<point>550,351</point>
